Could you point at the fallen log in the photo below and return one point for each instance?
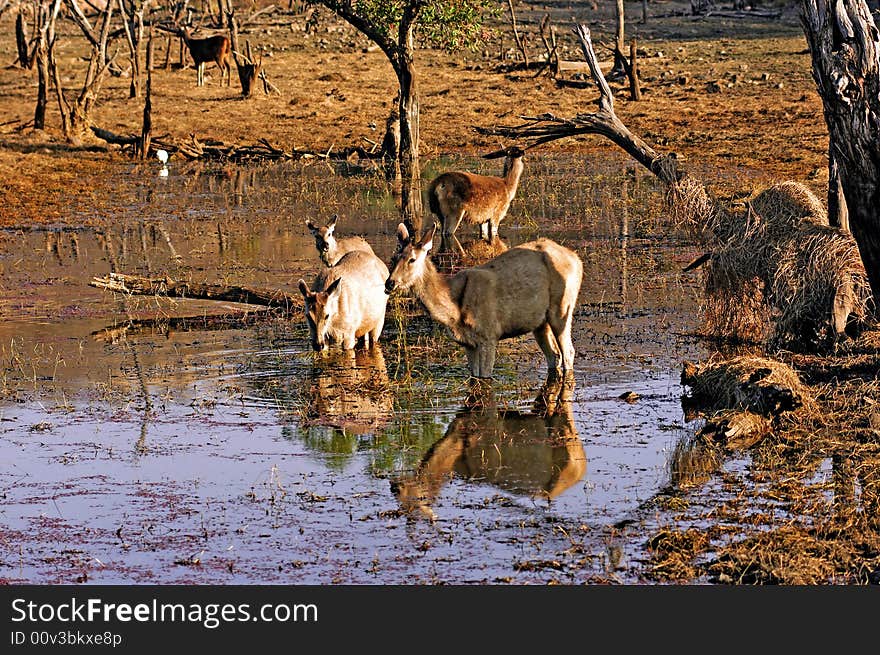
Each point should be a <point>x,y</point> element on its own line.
<point>144,286</point>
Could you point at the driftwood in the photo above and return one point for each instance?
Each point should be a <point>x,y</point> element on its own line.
<point>144,286</point>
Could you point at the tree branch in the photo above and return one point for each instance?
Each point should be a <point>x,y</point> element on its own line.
<point>547,127</point>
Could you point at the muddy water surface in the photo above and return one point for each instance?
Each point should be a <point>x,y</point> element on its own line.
<point>200,451</point>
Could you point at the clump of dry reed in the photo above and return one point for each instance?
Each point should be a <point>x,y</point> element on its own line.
<point>778,272</point>
<point>755,384</point>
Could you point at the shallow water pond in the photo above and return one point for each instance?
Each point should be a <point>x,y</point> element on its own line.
<point>143,441</point>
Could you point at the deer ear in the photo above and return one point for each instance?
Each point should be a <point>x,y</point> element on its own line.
<point>332,221</point>
<point>333,286</point>
<point>304,289</point>
<point>312,227</point>
<point>427,241</point>
<point>402,233</point>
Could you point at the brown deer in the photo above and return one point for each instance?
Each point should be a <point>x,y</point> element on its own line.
<point>483,200</point>
<point>331,249</point>
<point>537,454</point>
<point>347,302</point>
<point>530,288</point>
<point>213,48</point>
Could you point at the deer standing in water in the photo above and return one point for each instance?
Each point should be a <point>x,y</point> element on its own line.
<point>530,288</point>
<point>347,302</point>
<point>213,48</point>
<point>331,249</point>
<point>483,200</point>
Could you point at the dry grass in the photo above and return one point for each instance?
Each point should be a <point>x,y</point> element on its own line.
<point>756,384</point>
<point>673,551</point>
<point>778,274</point>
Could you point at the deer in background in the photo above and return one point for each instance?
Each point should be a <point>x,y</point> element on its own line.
<point>347,302</point>
<point>483,200</point>
<point>331,249</point>
<point>212,48</point>
<point>530,288</point>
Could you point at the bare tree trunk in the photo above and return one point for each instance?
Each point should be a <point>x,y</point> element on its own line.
<point>619,68</point>
<point>136,285</point>
<point>21,40</point>
<point>410,170</point>
<point>520,44</point>
<point>411,189</point>
<point>46,14</point>
<point>133,23</point>
<point>845,49</point>
<point>42,85</point>
<point>391,146</point>
<point>147,127</point>
<point>632,71</point>
<point>838,216</point>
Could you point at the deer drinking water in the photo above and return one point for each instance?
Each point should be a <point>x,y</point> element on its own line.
<point>331,249</point>
<point>213,48</point>
<point>530,288</point>
<point>347,302</point>
<point>482,200</point>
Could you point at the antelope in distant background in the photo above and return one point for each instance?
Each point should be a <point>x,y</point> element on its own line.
<point>347,302</point>
<point>483,200</point>
<point>536,454</point>
<point>331,249</point>
<point>212,48</point>
<point>530,288</point>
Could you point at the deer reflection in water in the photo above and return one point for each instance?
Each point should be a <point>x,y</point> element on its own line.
<point>349,391</point>
<point>536,454</point>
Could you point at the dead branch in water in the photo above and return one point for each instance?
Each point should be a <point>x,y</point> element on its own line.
<point>144,286</point>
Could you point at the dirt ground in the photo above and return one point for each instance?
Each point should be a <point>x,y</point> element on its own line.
<point>724,93</point>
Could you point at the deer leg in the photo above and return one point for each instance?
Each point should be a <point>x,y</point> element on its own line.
<point>547,342</point>
<point>455,223</point>
<point>473,362</point>
<point>372,337</point>
<point>562,331</point>
<point>484,359</point>
<point>485,230</point>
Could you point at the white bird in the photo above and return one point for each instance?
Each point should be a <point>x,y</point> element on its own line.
<point>162,156</point>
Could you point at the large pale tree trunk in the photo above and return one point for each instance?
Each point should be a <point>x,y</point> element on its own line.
<point>845,49</point>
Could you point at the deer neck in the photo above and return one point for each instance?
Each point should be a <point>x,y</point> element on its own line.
<point>512,172</point>
<point>432,290</point>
